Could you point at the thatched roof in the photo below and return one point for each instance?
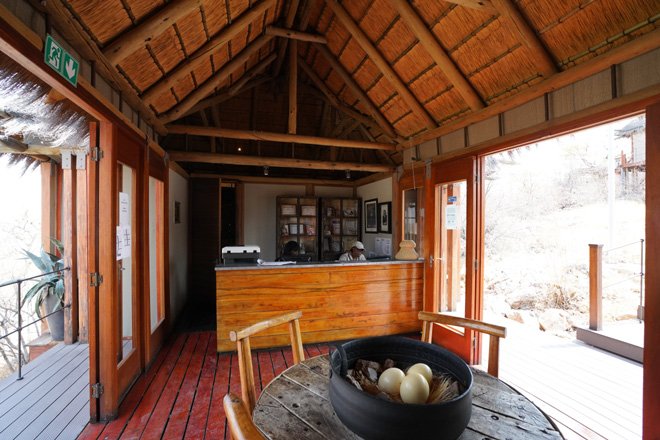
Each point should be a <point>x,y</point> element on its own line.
<point>390,69</point>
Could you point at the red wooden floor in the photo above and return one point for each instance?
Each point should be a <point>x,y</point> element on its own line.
<point>180,397</point>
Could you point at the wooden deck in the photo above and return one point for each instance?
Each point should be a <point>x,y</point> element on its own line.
<point>52,399</point>
<point>591,394</point>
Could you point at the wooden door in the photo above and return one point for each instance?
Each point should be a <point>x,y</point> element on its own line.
<point>450,252</point>
<point>121,198</point>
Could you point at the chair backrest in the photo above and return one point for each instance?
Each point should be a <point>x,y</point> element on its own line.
<point>495,331</point>
<point>242,339</point>
<point>241,426</point>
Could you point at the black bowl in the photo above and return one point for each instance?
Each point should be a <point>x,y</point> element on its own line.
<point>374,418</point>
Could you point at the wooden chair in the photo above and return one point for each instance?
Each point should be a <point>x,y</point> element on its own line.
<point>495,331</point>
<point>242,339</point>
<point>241,426</point>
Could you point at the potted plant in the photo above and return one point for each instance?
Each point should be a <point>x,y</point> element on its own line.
<point>49,290</point>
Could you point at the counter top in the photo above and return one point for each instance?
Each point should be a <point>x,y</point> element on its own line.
<point>312,264</point>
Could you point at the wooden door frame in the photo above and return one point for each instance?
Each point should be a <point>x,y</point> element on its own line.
<point>462,169</point>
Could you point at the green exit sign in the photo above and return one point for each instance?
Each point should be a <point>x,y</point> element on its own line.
<point>60,60</point>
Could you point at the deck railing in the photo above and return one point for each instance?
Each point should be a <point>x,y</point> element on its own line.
<point>596,283</point>
<point>20,327</point>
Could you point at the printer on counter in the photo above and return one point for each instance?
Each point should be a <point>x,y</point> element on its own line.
<point>232,255</point>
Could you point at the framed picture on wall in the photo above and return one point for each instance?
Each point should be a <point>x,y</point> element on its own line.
<point>371,216</point>
<point>177,212</point>
<point>385,218</point>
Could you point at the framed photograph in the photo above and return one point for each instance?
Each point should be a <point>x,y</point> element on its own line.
<point>350,227</point>
<point>177,212</point>
<point>308,211</point>
<point>371,216</point>
<point>288,209</point>
<point>385,218</point>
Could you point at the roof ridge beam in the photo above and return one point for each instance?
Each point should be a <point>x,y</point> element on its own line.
<point>428,40</point>
<point>236,159</point>
<point>295,35</point>
<point>288,22</point>
<point>207,87</point>
<point>382,64</point>
<point>527,36</point>
<point>354,87</point>
<point>254,135</point>
<point>138,37</point>
<point>205,51</point>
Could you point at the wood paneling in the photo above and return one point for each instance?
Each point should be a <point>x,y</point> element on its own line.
<point>337,301</point>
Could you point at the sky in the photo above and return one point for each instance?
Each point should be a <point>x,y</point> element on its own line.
<point>19,194</point>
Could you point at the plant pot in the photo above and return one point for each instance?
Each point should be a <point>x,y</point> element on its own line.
<point>56,320</point>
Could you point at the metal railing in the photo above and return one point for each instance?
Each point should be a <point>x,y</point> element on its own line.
<point>20,327</point>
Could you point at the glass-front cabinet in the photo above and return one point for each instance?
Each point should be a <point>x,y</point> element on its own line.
<point>340,220</point>
<point>297,221</point>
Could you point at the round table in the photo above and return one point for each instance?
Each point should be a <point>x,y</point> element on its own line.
<point>296,405</point>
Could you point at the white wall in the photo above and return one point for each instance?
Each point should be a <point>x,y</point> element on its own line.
<point>381,190</point>
<point>178,244</point>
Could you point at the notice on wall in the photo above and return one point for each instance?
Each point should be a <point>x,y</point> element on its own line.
<point>123,242</point>
<point>452,216</point>
<point>124,209</point>
<point>383,246</point>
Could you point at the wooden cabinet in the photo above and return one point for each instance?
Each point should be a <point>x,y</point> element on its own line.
<point>297,221</point>
<point>340,226</point>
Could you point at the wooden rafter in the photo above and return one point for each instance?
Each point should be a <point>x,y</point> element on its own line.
<point>138,37</point>
<point>536,50</point>
<point>14,145</point>
<point>353,86</point>
<point>380,62</point>
<point>276,137</point>
<point>236,159</point>
<point>207,87</point>
<point>484,6</point>
<point>202,54</point>
<point>250,74</point>
<point>295,35</point>
<point>222,97</point>
<point>639,46</point>
<point>288,22</point>
<point>79,38</point>
<point>429,42</point>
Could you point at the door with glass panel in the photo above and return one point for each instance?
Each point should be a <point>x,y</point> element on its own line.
<point>452,265</point>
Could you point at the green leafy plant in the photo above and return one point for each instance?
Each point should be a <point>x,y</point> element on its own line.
<point>53,283</point>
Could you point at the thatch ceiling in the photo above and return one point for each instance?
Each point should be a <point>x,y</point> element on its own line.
<point>378,70</point>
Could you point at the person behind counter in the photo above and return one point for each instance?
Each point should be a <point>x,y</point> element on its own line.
<point>291,249</point>
<point>356,253</point>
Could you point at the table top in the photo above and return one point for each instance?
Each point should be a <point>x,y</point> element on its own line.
<point>296,405</point>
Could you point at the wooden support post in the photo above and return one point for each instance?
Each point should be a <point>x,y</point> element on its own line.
<point>48,204</point>
<point>82,241</point>
<point>651,404</point>
<point>92,236</point>
<point>240,213</point>
<point>596,287</point>
<point>69,241</point>
<point>293,86</point>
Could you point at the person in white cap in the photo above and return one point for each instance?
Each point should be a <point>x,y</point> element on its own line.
<point>356,253</point>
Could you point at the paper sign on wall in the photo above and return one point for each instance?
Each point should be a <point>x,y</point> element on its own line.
<point>452,216</point>
<point>124,209</point>
<point>123,242</point>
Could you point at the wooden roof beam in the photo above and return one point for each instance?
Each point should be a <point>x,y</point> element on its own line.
<point>484,6</point>
<point>250,74</point>
<point>295,35</point>
<point>444,62</point>
<point>339,69</point>
<point>288,22</point>
<point>618,55</point>
<point>537,51</point>
<point>138,37</point>
<point>382,64</point>
<point>293,87</point>
<point>14,145</point>
<point>202,54</point>
<point>222,97</point>
<point>276,137</point>
<point>207,87</point>
<point>236,159</point>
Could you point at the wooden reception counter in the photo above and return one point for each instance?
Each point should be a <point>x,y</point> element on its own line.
<point>338,300</point>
